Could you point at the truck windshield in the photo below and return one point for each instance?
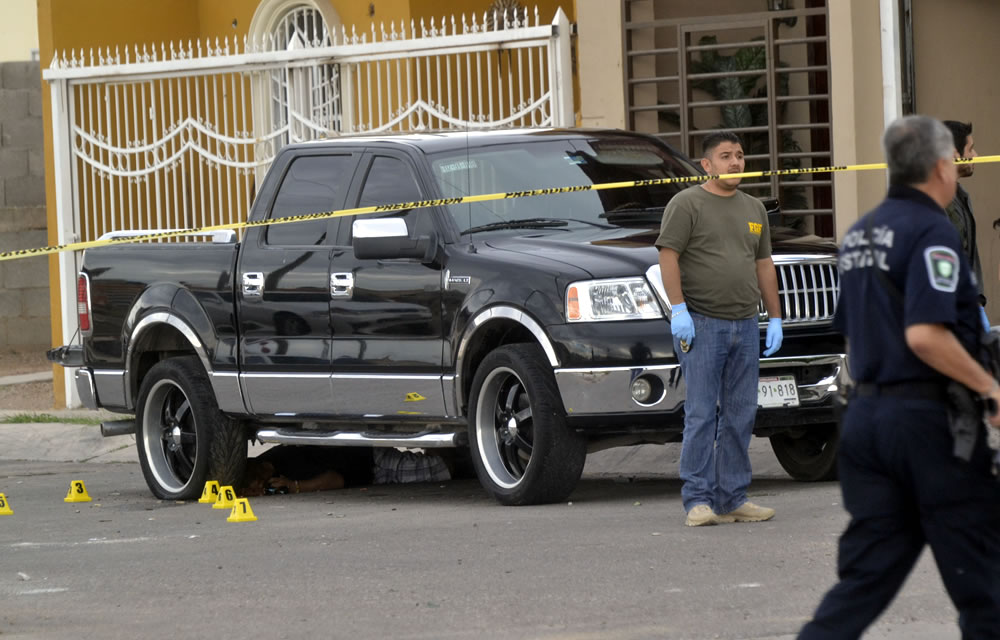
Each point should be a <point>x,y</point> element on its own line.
<point>573,162</point>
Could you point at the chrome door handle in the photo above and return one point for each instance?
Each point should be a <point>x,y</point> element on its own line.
<point>341,285</point>
<point>253,284</point>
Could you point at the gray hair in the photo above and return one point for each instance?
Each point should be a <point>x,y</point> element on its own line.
<point>913,145</point>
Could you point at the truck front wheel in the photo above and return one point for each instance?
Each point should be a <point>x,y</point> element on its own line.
<point>521,447</point>
<point>183,438</point>
<point>808,455</point>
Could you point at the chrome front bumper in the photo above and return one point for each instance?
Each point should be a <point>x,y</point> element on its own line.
<point>607,390</point>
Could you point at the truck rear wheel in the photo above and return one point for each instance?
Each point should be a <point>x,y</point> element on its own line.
<point>521,447</point>
<point>808,455</point>
<point>183,438</point>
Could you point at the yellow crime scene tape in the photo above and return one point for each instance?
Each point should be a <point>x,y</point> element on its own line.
<point>173,233</point>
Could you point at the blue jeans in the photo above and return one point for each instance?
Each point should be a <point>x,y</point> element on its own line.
<point>721,371</point>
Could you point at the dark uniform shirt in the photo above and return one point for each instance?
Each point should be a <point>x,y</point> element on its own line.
<point>919,250</point>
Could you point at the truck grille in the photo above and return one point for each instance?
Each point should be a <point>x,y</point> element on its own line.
<point>808,288</point>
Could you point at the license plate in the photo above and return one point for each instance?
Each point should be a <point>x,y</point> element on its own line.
<point>777,391</point>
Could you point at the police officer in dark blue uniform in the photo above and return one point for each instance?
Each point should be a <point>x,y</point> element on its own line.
<point>909,308</point>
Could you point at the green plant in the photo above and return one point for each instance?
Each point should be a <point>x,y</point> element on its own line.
<point>738,116</point>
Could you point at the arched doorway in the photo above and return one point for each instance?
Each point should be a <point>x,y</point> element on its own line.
<point>296,102</point>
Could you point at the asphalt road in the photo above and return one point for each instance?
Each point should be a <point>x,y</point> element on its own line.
<point>427,561</point>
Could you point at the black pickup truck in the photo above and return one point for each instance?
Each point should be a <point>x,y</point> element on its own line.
<point>530,330</point>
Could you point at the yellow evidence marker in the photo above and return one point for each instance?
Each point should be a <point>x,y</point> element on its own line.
<point>227,497</point>
<point>5,509</point>
<point>241,512</point>
<point>210,493</point>
<point>77,492</point>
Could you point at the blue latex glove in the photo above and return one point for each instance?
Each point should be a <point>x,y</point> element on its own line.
<point>681,324</point>
<point>985,319</point>
<point>774,336</point>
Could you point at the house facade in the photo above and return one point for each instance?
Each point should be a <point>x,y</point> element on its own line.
<point>821,79</point>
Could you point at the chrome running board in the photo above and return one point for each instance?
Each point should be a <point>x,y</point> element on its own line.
<point>426,440</point>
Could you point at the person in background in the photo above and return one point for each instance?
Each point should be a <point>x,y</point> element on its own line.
<point>960,209</point>
<point>715,260</point>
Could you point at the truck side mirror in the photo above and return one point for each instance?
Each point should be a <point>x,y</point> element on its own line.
<point>388,239</point>
<point>771,206</point>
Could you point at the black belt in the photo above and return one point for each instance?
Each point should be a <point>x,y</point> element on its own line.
<point>928,390</point>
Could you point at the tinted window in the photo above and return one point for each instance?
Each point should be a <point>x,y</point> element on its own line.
<point>544,163</point>
<point>391,181</point>
<point>313,184</point>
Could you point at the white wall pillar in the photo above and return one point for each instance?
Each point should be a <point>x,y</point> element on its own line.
<point>66,231</point>
<point>892,78</point>
<point>561,71</point>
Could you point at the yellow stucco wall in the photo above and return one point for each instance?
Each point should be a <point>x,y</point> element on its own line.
<point>956,79</point>
<point>601,71</point>
<point>19,34</point>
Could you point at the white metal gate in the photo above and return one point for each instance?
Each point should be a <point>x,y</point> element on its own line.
<point>179,135</point>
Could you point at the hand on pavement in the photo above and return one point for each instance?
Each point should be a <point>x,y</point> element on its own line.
<point>774,336</point>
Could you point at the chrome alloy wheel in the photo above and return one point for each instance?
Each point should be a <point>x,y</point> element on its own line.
<point>504,427</point>
<point>169,437</point>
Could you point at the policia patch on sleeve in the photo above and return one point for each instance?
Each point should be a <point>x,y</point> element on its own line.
<point>942,268</point>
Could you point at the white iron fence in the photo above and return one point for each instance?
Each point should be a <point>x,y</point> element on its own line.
<point>179,135</point>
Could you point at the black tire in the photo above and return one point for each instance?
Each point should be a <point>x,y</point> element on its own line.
<point>182,437</point>
<point>808,455</point>
<point>521,448</point>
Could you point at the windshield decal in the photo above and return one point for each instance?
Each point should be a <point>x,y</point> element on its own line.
<point>461,165</point>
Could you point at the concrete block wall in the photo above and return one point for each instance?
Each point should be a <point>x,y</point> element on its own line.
<point>24,284</point>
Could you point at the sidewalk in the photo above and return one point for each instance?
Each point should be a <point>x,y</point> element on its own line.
<point>62,441</point>
<point>26,390</point>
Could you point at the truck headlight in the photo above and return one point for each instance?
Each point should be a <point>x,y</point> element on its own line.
<point>612,299</point>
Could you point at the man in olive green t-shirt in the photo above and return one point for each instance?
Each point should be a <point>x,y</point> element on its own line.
<point>715,260</point>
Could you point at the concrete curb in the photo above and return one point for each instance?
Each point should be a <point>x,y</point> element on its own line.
<point>56,442</point>
<point>43,376</point>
